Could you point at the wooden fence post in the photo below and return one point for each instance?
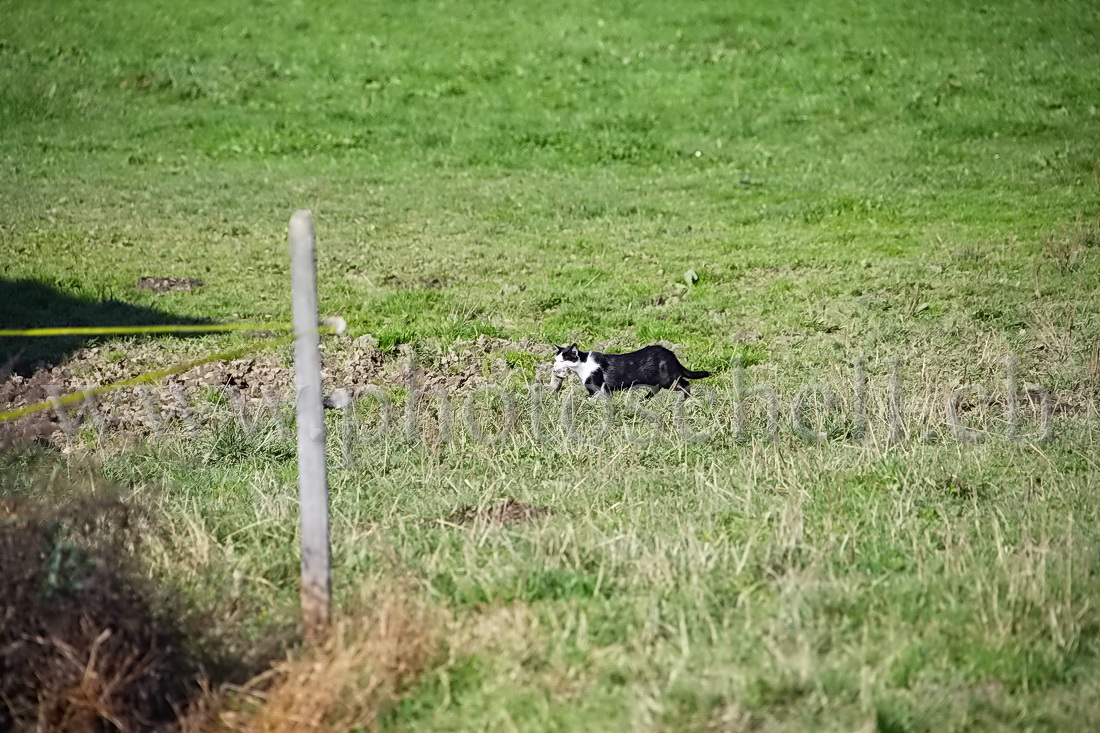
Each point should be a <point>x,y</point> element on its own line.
<point>312,472</point>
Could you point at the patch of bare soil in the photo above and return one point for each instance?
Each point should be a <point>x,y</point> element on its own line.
<point>747,337</point>
<point>257,382</point>
<point>434,282</point>
<point>162,285</point>
<point>17,391</point>
<point>508,511</point>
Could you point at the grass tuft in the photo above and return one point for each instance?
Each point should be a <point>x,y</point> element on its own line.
<point>370,658</point>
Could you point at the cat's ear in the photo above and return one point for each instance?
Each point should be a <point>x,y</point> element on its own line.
<point>558,349</point>
<point>572,352</point>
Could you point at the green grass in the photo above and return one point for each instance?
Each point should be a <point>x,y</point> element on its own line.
<point>846,179</point>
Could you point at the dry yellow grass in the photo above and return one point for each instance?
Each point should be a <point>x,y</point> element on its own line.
<point>366,662</point>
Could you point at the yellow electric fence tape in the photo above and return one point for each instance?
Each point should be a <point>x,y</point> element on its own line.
<point>335,325</point>
<point>142,378</point>
<point>112,330</point>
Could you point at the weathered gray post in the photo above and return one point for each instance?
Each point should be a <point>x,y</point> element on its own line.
<point>312,473</point>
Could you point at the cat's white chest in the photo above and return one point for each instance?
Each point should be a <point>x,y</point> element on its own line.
<point>585,369</point>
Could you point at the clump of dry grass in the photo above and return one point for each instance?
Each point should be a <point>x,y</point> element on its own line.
<point>368,660</point>
<point>86,642</point>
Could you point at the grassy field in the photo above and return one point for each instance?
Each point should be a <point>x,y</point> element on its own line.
<point>789,188</point>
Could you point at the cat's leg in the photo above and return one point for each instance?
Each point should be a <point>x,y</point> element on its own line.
<point>684,386</point>
<point>595,390</point>
<point>597,385</point>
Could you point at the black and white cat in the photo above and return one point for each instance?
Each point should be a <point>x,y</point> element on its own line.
<point>653,367</point>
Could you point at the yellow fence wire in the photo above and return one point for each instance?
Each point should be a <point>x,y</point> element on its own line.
<point>335,326</point>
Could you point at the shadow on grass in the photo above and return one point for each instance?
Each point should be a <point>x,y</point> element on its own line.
<point>32,304</point>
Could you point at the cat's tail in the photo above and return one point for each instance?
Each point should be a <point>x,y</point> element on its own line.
<point>694,375</point>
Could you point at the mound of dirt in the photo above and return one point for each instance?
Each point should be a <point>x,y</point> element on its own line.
<point>17,391</point>
<point>252,384</point>
<point>507,512</point>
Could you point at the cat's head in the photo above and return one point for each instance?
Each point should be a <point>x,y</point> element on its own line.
<point>566,356</point>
